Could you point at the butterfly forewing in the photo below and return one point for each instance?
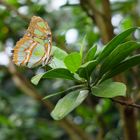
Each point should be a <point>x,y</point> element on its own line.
<point>35,46</point>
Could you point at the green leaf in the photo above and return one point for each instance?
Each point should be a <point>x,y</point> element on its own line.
<point>35,80</point>
<point>68,103</point>
<point>91,53</point>
<point>86,69</point>
<point>57,63</point>
<point>128,63</point>
<point>53,73</point>
<point>115,42</point>
<point>73,61</point>
<point>126,23</point>
<point>117,55</point>
<point>58,53</point>
<point>109,89</point>
<point>59,73</point>
<point>58,58</point>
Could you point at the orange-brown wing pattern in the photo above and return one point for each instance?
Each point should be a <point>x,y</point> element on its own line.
<point>35,46</point>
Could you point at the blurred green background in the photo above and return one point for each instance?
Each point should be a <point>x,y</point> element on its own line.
<point>23,114</point>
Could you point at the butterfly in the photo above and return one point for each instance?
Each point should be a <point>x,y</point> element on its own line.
<point>34,48</point>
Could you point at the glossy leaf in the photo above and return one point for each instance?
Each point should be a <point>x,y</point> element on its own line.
<point>115,42</point>
<point>68,103</point>
<point>35,80</point>
<point>130,62</point>
<point>109,89</point>
<point>54,73</point>
<point>86,69</point>
<point>73,61</point>
<point>57,63</point>
<point>58,55</point>
<point>91,53</point>
<point>118,55</point>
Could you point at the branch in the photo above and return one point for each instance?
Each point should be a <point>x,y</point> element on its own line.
<point>126,103</point>
<point>86,4</point>
<point>100,17</point>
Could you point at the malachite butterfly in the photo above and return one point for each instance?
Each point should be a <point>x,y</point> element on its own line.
<point>34,48</point>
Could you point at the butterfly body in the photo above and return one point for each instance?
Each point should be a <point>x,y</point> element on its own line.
<point>35,46</point>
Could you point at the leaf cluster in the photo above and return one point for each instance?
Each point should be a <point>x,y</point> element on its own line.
<point>92,70</point>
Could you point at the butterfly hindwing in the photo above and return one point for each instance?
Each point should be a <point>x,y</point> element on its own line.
<point>37,56</point>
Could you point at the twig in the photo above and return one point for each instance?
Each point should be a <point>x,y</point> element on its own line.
<point>126,103</point>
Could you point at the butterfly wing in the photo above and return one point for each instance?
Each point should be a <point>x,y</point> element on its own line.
<point>40,54</point>
<point>29,52</point>
<point>39,28</point>
<point>35,46</point>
